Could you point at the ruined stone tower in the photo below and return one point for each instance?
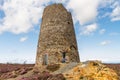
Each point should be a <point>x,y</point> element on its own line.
<point>56,36</point>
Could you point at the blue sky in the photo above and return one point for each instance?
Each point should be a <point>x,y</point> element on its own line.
<point>96,23</point>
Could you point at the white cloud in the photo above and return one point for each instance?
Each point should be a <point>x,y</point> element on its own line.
<point>107,14</point>
<point>115,15</point>
<point>84,11</point>
<point>21,15</point>
<point>110,8</point>
<point>23,39</point>
<point>59,1</point>
<point>105,42</point>
<point>89,29</point>
<point>102,31</point>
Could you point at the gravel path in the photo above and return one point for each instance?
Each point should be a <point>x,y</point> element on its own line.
<point>66,68</point>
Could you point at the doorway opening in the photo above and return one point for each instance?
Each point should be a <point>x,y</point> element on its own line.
<point>63,57</point>
<point>45,59</point>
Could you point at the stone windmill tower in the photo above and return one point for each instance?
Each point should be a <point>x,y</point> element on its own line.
<point>57,37</point>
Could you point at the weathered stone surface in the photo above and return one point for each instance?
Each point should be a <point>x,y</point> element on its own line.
<point>91,70</point>
<point>57,35</point>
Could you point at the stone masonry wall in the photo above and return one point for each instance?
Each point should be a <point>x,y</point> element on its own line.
<point>56,35</point>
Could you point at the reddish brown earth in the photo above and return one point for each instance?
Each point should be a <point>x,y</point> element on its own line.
<point>17,71</point>
<point>115,67</point>
<point>14,70</point>
<point>4,68</point>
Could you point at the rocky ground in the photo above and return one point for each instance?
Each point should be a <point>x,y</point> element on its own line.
<point>115,67</point>
<point>83,71</point>
<point>91,70</point>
